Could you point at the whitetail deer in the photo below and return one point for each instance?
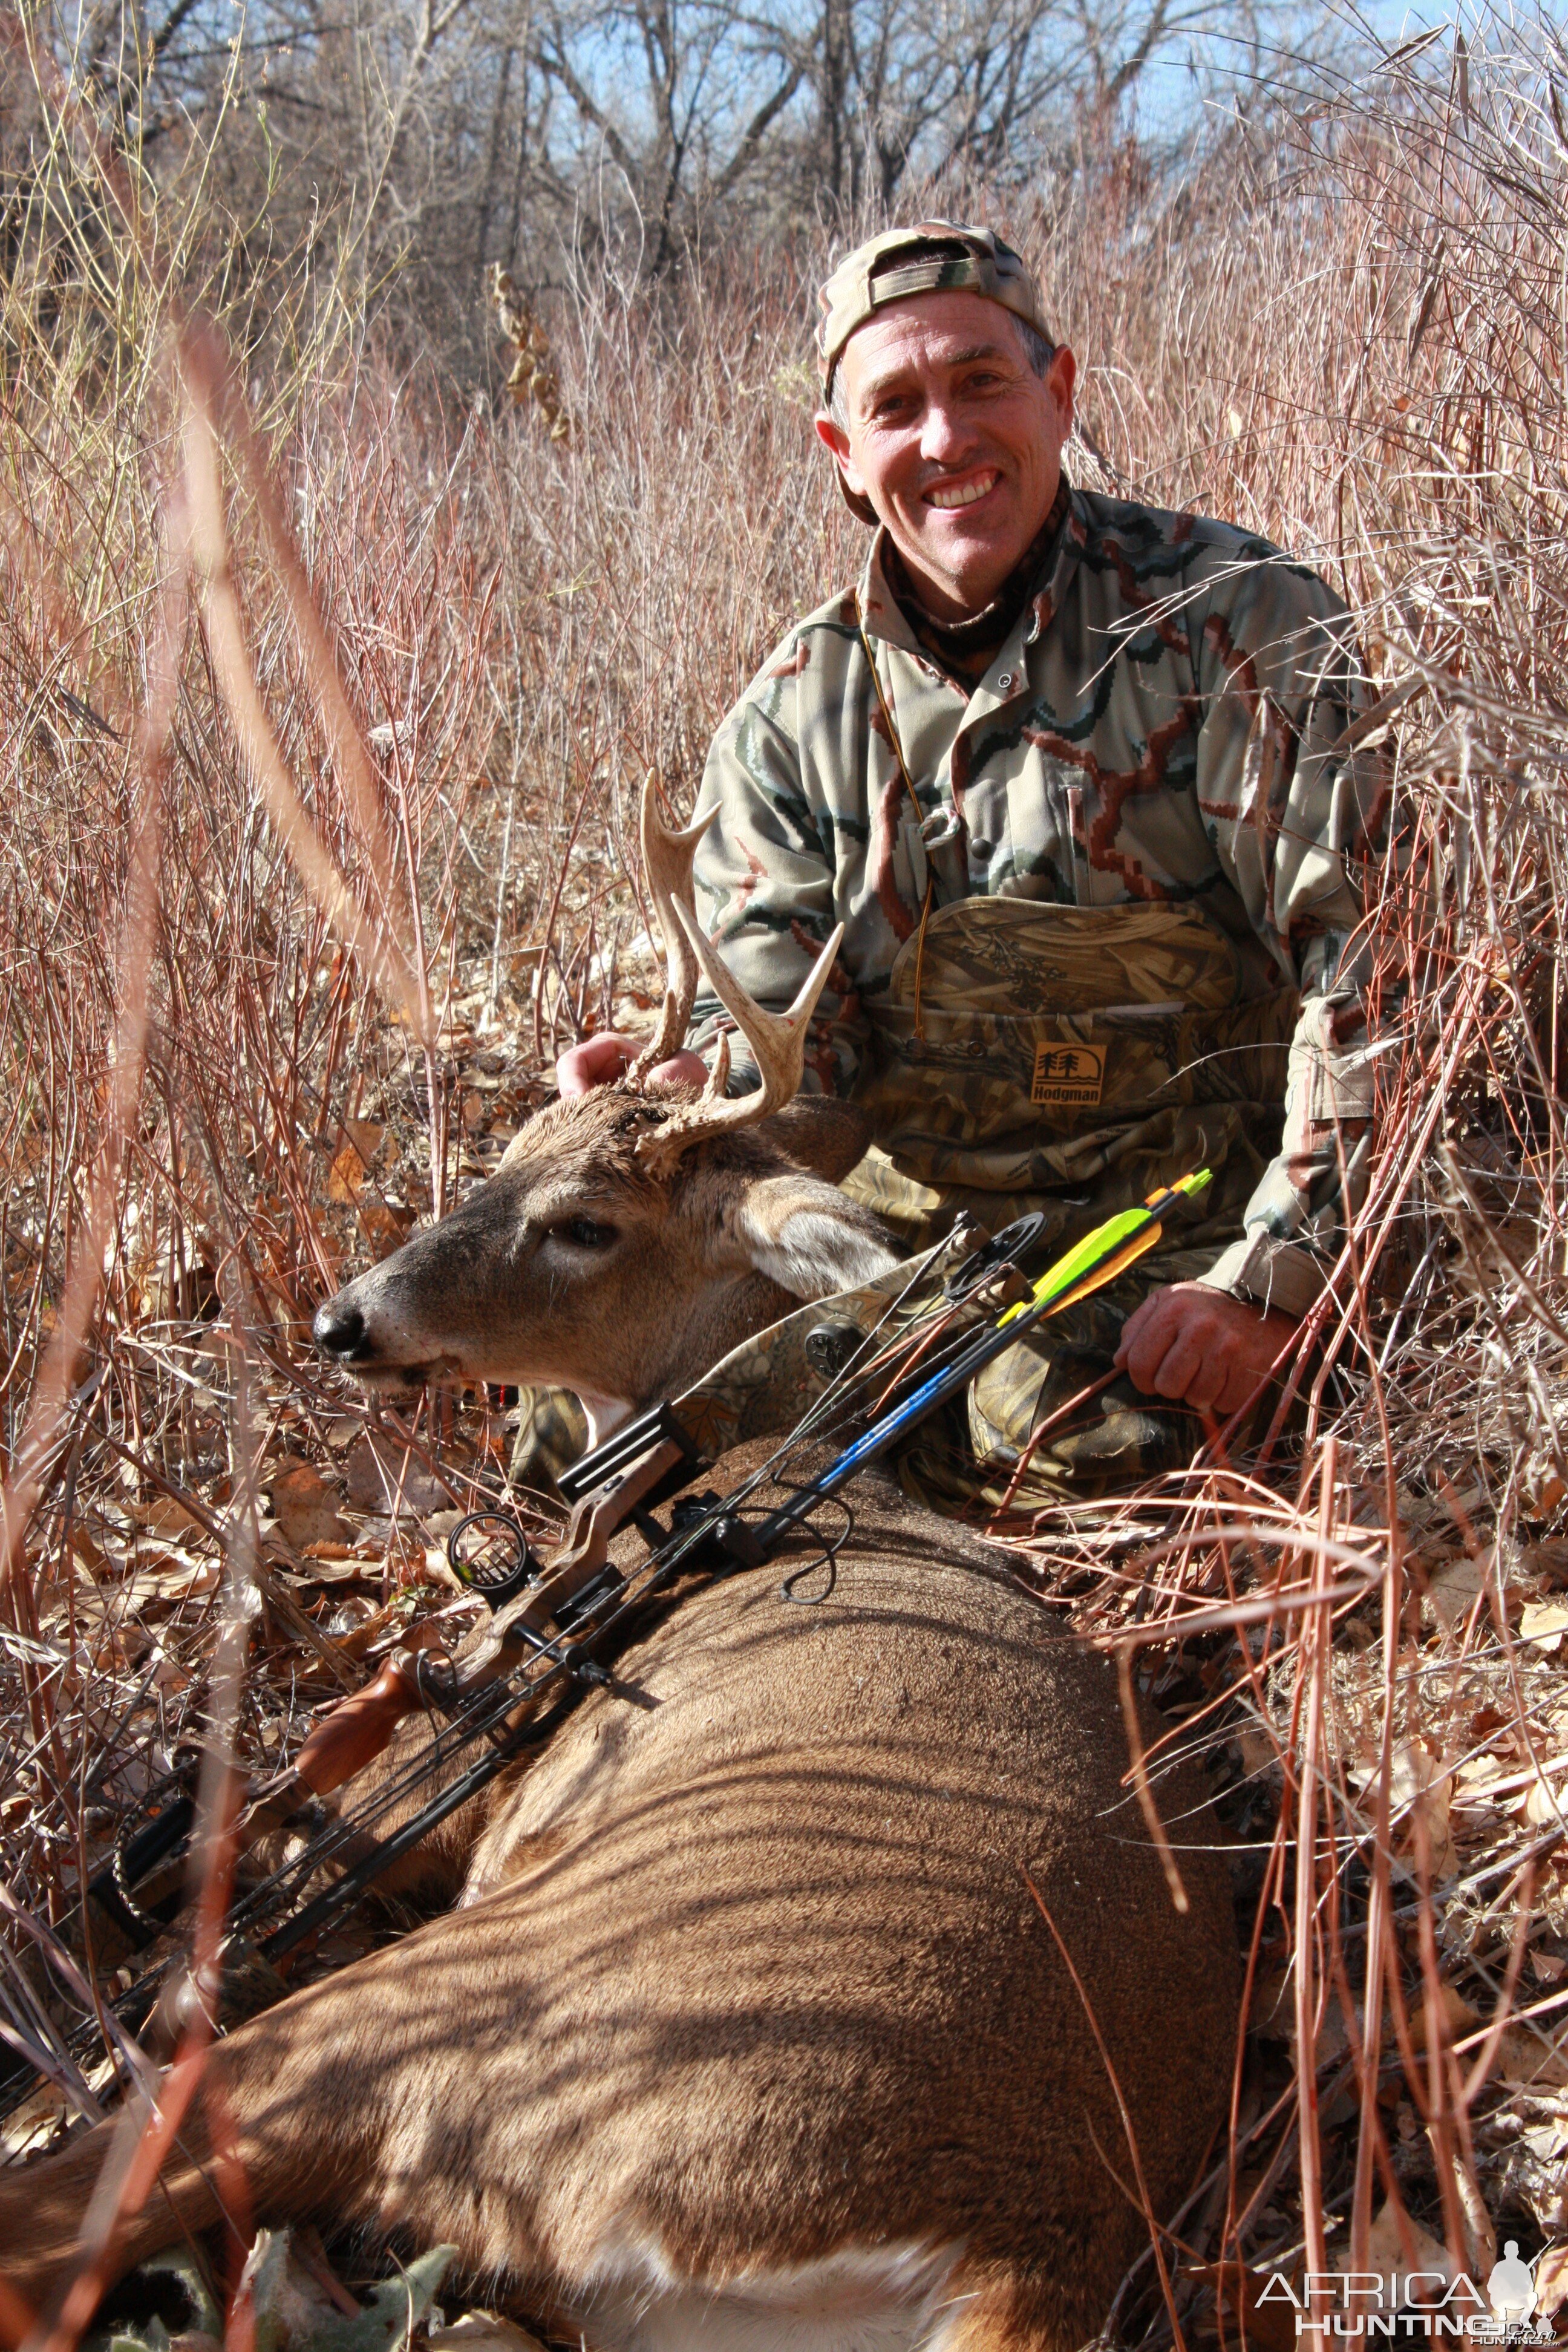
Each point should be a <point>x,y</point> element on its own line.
<point>630,1238</point>
<point>750,2030</point>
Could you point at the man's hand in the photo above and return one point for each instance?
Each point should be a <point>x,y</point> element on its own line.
<point>1201,1347</point>
<point>600,1061</point>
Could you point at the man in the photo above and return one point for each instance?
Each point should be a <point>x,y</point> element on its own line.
<point>1078,778</point>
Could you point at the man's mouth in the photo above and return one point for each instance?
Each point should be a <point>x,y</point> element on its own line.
<point>947,495</point>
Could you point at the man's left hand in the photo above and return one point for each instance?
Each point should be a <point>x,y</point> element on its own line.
<point>1201,1348</point>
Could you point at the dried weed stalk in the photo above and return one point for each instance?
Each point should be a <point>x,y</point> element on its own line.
<point>315,850</point>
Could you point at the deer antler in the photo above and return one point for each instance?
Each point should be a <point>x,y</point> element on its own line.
<point>667,863</point>
<point>776,1039</point>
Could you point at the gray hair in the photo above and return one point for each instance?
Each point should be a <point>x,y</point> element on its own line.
<point>1036,350</point>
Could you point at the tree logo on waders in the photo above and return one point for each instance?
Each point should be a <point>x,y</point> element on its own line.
<point>1069,1075</point>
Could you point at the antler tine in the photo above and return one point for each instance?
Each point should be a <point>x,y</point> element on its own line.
<point>666,862</point>
<point>776,1039</point>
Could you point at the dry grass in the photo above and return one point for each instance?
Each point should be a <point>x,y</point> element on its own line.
<point>1347,331</point>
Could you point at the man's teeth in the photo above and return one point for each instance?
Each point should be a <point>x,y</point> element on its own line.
<point>963,495</point>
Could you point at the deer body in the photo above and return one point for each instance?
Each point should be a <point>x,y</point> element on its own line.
<point>749,2029</point>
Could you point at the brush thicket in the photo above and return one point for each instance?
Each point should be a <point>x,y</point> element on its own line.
<point>1343,328</point>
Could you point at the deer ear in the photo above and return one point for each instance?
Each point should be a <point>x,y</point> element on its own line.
<point>808,1237</point>
<point>819,1132</point>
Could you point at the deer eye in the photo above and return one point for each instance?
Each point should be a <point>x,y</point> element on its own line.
<point>586,1234</point>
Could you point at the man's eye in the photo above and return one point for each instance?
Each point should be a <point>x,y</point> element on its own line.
<point>586,1234</point>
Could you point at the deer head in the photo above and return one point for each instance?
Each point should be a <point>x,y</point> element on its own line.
<point>632,1235</point>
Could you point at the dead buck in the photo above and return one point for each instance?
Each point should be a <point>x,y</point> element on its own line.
<point>630,1239</point>
<point>750,2028</point>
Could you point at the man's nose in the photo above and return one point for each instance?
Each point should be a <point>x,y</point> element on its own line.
<point>945,437</point>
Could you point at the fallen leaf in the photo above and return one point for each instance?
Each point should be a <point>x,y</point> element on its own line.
<point>482,2331</point>
<point>1542,1624</point>
<point>92,1556</point>
<point>336,1570</point>
<point>357,1640</point>
<point>378,1470</point>
<point>290,2311</point>
<point>1551,2281</point>
<point>165,1516</point>
<point>386,1228</point>
<point>1544,1804</point>
<point>439,1570</point>
<point>1418,1793</point>
<point>1397,2243</point>
<point>1524,2057</point>
<point>306,1508</point>
<point>351,1162</point>
<point>174,1576</point>
<point>1459,2016</point>
<point>1454,1589</point>
<point>1273,2014</point>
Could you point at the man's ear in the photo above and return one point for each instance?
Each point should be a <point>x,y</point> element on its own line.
<point>1061,378</point>
<point>806,1236</point>
<point>851,481</point>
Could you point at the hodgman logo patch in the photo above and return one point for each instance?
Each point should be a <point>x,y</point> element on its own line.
<point>1069,1075</point>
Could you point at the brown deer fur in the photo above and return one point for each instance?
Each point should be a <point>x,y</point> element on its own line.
<point>749,2030</point>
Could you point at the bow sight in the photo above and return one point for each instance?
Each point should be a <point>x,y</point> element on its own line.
<point>551,1626</point>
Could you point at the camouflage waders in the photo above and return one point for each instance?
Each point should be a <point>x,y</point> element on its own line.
<point>1069,1061</point>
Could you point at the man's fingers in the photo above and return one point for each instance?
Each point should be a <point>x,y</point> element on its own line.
<point>1205,1392</point>
<point>683,1069</point>
<point>1147,1333</point>
<point>1179,1368</point>
<point>1200,1347</point>
<point>598,1062</point>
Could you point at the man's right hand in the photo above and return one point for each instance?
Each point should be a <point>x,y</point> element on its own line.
<point>600,1061</point>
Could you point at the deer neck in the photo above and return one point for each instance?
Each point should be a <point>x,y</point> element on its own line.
<point>722,1314</point>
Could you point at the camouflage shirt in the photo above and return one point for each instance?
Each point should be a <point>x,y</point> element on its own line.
<point>1167,722</point>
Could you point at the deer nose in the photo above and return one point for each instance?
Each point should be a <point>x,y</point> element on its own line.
<point>339,1330</point>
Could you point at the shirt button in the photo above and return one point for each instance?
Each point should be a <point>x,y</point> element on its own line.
<point>980,849</point>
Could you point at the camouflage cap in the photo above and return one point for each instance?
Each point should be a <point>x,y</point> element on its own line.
<point>925,258</point>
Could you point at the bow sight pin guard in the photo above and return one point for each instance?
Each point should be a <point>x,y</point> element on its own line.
<point>490,1554</point>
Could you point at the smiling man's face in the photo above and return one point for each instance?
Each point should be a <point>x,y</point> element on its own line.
<point>954,440</point>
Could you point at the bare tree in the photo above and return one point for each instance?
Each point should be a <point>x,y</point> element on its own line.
<point>438,137</point>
